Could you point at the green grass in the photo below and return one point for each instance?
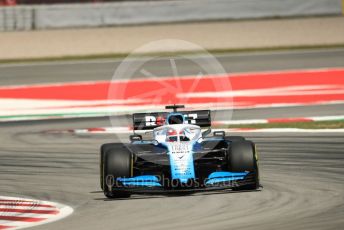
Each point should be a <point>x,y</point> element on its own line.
<point>337,124</point>
<point>166,54</point>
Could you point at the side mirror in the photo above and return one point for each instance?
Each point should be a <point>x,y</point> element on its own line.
<point>219,134</point>
<point>206,133</point>
<point>135,137</point>
<point>148,132</point>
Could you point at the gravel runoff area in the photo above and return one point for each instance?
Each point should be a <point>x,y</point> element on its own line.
<point>226,35</point>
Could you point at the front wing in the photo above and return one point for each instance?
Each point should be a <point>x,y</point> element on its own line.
<point>216,181</point>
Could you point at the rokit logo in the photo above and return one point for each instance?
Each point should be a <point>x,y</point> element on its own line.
<point>158,121</point>
<point>154,121</point>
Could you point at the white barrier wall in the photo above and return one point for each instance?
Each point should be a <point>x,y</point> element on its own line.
<point>131,13</point>
<point>16,18</point>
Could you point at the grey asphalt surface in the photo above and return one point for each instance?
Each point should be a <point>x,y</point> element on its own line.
<point>302,174</point>
<point>302,177</point>
<point>38,73</point>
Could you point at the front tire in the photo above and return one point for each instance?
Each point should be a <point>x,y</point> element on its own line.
<point>117,162</point>
<point>243,157</point>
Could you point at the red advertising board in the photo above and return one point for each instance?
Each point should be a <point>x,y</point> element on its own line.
<point>8,2</point>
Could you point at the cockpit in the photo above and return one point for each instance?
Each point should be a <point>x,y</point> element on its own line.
<point>172,135</point>
<point>177,133</point>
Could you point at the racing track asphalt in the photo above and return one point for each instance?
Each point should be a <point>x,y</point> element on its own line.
<point>302,174</point>
<point>90,70</point>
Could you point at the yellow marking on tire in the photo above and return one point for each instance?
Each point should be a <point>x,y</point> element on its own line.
<point>255,149</point>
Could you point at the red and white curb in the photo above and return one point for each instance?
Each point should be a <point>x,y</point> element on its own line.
<point>18,213</point>
<point>127,130</point>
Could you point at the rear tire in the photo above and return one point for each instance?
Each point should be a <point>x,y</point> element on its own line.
<point>243,157</point>
<point>116,162</point>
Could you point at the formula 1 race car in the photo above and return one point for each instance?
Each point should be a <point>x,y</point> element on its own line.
<point>179,157</point>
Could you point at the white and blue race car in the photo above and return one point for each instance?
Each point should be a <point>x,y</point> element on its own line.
<point>179,157</point>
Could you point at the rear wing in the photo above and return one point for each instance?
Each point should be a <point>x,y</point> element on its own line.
<point>145,121</point>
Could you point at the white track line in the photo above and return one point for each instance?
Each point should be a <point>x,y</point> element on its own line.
<point>285,130</point>
<point>273,120</point>
<point>124,130</point>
